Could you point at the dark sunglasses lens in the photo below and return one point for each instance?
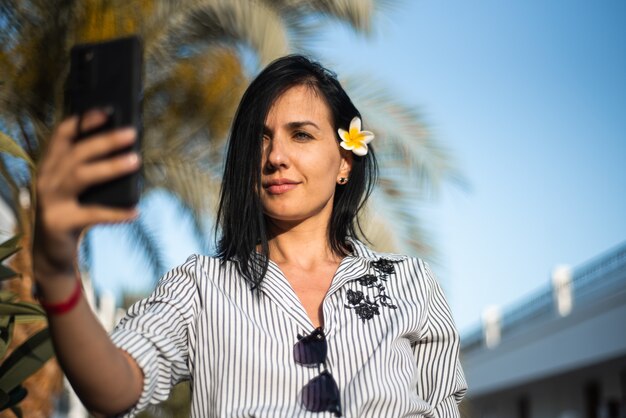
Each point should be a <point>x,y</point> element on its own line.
<point>310,352</point>
<point>321,394</point>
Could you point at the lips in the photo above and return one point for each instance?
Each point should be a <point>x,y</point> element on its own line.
<point>280,186</point>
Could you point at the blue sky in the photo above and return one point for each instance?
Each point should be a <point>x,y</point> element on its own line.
<point>530,96</point>
<point>531,99</point>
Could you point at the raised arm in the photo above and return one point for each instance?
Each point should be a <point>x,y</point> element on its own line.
<point>107,380</point>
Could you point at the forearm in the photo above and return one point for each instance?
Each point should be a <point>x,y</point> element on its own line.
<point>105,378</point>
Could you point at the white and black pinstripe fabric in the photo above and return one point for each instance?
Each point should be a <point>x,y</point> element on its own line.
<point>203,323</point>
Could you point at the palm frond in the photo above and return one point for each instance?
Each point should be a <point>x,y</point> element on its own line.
<point>214,21</point>
<point>9,146</point>
<point>203,90</point>
<point>404,142</point>
<point>141,237</point>
<point>29,95</point>
<point>197,188</point>
<point>396,224</point>
<point>201,224</point>
<point>358,13</point>
<point>308,20</point>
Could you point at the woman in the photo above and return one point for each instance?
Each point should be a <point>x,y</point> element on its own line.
<point>295,317</point>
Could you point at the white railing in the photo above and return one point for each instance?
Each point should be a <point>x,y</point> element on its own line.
<point>600,276</point>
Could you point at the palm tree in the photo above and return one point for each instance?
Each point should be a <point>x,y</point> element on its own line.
<point>199,54</point>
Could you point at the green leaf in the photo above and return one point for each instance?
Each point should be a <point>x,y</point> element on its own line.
<point>11,400</point>
<point>6,333</point>
<point>7,249</point>
<point>20,308</point>
<point>7,252</point>
<point>6,273</point>
<point>11,242</point>
<point>23,319</point>
<point>10,147</point>
<point>25,360</point>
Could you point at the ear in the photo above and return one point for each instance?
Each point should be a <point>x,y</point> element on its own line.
<point>345,166</point>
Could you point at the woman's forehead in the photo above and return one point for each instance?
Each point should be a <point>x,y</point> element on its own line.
<point>299,103</point>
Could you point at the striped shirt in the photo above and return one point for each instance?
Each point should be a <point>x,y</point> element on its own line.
<point>392,344</point>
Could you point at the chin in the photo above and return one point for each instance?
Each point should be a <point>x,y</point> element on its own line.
<point>285,217</point>
<point>289,214</point>
<point>297,211</point>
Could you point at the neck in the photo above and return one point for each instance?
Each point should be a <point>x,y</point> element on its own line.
<point>304,245</point>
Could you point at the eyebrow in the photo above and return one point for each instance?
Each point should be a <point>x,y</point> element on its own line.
<point>299,124</point>
<point>292,125</point>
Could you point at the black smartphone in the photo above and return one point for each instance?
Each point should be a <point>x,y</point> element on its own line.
<point>108,75</point>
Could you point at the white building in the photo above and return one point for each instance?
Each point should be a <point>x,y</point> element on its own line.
<point>561,353</point>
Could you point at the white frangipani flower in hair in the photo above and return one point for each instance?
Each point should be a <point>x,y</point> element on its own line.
<point>355,139</point>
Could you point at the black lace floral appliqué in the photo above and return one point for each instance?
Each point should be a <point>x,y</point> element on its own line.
<point>364,306</point>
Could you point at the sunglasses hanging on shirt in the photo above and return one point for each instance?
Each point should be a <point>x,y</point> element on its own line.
<point>321,394</point>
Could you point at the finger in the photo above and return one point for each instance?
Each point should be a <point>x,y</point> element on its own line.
<point>102,144</point>
<point>68,127</point>
<point>65,133</point>
<point>65,218</point>
<point>61,139</point>
<point>94,118</point>
<point>89,174</point>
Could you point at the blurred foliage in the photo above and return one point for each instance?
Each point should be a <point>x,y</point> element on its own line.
<point>30,355</point>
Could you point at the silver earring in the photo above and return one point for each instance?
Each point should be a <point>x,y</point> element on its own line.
<point>343,180</point>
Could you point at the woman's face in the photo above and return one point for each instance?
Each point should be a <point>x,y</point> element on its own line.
<point>302,161</point>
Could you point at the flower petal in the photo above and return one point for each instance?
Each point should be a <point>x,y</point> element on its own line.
<point>355,123</point>
<point>343,134</point>
<point>361,150</point>
<point>367,136</point>
<point>345,146</point>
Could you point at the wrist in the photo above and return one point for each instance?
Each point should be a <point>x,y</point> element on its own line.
<point>45,267</point>
<point>60,297</point>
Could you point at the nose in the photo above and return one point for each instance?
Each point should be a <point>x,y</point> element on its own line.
<point>276,153</point>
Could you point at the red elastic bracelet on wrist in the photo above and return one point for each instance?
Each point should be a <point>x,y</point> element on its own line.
<point>65,306</point>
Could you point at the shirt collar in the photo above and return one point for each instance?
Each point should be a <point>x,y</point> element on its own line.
<point>360,250</point>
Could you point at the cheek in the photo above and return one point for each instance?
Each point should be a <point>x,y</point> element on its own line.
<point>325,173</point>
<point>325,185</point>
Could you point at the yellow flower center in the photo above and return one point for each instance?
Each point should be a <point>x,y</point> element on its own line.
<point>355,137</point>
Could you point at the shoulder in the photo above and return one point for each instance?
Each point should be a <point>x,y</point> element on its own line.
<point>413,266</point>
<point>361,250</point>
<point>189,283</point>
<point>198,266</point>
<point>198,275</point>
<point>410,270</point>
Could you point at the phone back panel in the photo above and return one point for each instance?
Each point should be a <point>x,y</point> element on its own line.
<point>109,75</point>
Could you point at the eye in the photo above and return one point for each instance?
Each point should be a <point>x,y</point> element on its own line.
<point>302,135</point>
